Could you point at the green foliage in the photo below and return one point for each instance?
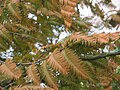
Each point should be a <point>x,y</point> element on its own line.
<point>58,64</point>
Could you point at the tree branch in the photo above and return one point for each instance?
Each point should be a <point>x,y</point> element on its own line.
<point>85,57</point>
<point>103,55</point>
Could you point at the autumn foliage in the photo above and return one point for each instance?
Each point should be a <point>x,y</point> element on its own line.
<point>80,61</point>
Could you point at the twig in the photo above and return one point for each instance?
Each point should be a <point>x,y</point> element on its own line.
<point>95,57</point>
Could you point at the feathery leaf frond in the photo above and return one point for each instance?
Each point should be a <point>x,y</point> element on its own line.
<point>48,76</point>
<point>14,10</point>
<point>67,10</point>
<point>76,65</point>
<point>58,62</point>
<point>27,87</point>
<point>10,69</point>
<point>101,38</point>
<point>33,74</point>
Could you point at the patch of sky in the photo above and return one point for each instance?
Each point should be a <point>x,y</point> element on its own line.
<point>8,54</point>
<point>30,15</point>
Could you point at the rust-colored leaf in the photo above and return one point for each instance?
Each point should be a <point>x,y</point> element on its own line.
<point>33,74</point>
<point>58,62</point>
<point>1,11</point>
<point>10,69</point>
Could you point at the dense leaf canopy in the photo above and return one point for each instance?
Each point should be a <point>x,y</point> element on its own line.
<point>32,52</point>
